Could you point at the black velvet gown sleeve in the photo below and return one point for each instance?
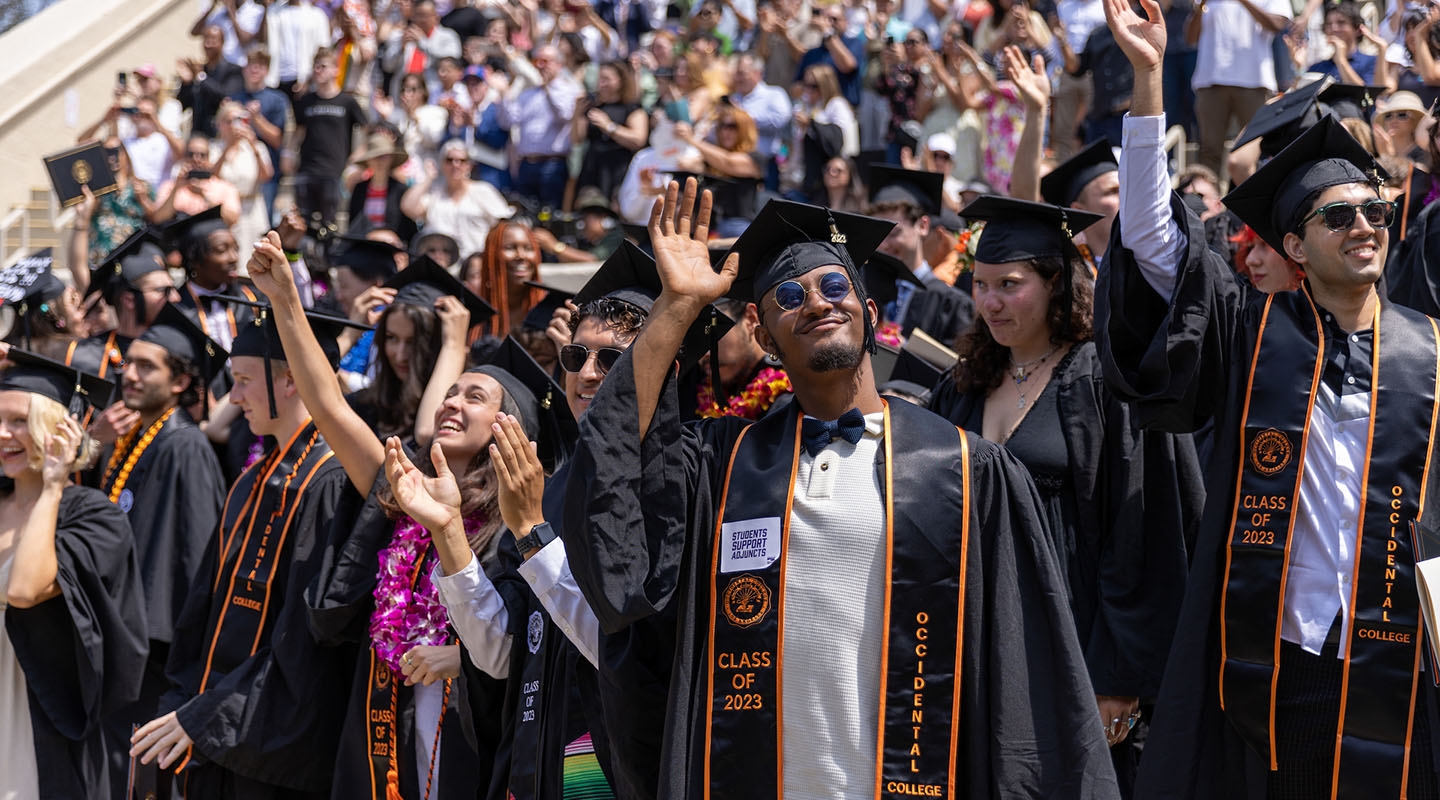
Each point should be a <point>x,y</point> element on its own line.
<point>275,716</point>
<point>1412,273</point>
<point>940,310</point>
<point>83,652</point>
<point>1173,362</point>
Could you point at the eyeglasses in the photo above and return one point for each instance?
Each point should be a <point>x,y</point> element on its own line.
<point>1341,216</point>
<point>940,154</point>
<point>199,154</point>
<point>834,287</point>
<point>456,160</point>
<point>727,126</point>
<point>112,152</point>
<point>573,357</point>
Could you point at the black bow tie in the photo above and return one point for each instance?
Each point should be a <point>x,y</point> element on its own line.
<point>816,434</point>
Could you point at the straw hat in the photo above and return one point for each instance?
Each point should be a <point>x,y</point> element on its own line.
<point>1402,101</point>
<point>378,146</point>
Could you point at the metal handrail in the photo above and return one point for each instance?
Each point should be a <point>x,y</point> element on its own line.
<point>1177,144</point>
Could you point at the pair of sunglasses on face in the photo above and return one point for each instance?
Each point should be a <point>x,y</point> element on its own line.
<point>1341,216</point>
<point>833,286</point>
<point>789,295</point>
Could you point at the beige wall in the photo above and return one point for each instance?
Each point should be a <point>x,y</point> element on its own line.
<point>57,75</point>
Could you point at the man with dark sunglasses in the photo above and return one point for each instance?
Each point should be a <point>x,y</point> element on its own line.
<point>1296,667</point>
<point>847,598</point>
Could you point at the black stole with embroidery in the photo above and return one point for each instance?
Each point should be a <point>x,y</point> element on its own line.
<point>1383,644</point>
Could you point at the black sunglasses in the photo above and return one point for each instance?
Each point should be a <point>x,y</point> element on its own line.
<point>574,356</point>
<point>790,295</point>
<point>1341,216</point>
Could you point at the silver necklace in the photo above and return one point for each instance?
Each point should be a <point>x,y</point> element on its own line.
<point>1020,373</point>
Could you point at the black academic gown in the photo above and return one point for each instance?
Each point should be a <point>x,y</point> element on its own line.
<point>339,604</point>
<point>551,694</point>
<point>270,711</point>
<point>173,498</point>
<point>642,554</point>
<point>940,310</point>
<point>1120,518</point>
<point>83,653</point>
<point>1181,365</point>
<point>102,355</point>
<point>1412,271</point>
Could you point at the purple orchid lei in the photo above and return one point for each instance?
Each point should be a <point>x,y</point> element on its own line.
<point>406,614</point>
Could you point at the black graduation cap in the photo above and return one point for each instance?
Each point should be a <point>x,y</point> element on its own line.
<point>181,337</point>
<point>261,339</point>
<point>186,232</point>
<point>1281,120</point>
<point>788,239</point>
<point>629,275</point>
<point>882,274</point>
<point>1019,230</point>
<point>892,184</point>
<point>639,235</point>
<point>369,259</point>
<point>1349,101</point>
<point>424,282</point>
<point>866,159</point>
<point>1069,179</point>
<point>123,267</point>
<point>29,286</point>
<point>68,386</point>
<point>1324,156</point>
<point>546,414</point>
<point>539,316</point>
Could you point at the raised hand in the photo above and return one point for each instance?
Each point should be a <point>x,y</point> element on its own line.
<point>61,449</point>
<point>558,331</point>
<point>454,320</point>
<point>1142,39</point>
<point>367,308</point>
<point>521,477</point>
<point>432,502</point>
<point>269,269</point>
<point>679,232</point>
<point>113,422</point>
<point>1029,78</point>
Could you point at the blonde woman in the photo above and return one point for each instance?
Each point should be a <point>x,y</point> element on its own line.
<point>72,624</point>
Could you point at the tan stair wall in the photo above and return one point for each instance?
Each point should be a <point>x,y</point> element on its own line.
<point>57,75</point>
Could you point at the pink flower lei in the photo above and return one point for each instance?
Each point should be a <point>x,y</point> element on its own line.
<point>408,611</point>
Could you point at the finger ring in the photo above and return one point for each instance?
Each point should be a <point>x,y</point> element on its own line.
<point>408,660</point>
<point>1114,722</point>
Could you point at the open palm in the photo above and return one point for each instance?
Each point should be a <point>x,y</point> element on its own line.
<point>1141,38</point>
<point>680,233</point>
<point>431,501</point>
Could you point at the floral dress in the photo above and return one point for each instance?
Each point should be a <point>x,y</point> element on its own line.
<point>117,216</point>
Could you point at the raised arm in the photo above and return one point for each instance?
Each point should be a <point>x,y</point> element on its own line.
<point>35,569</point>
<point>1034,87</point>
<point>679,230</point>
<point>449,363</point>
<point>355,445</point>
<point>1147,226</point>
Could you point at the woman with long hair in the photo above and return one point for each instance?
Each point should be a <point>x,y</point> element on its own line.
<point>73,639</point>
<point>1121,503</point>
<point>733,158</point>
<point>820,103</point>
<point>46,316</point>
<point>103,223</point>
<point>614,126</point>
<point>511,258</point>
<point>378,573</point>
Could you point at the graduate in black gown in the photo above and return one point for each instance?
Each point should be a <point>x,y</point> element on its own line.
<point>1295,670</point>
<point>132,279</point>
<point>912,200</point>
<point>72,620</point>
<point>163,474</point>
<point>1120,502</point>
<point>255,703</point>
<point>405,728</point>
<point>879,611</point>
<point>211,260</point>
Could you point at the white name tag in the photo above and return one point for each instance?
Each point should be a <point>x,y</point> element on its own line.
<point>749,544</point>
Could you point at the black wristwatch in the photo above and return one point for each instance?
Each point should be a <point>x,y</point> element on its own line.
<point>539,536</point>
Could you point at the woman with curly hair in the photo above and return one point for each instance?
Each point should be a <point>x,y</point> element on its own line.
<point>1120,502</point>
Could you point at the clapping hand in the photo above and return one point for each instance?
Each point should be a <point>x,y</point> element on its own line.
<point>680,232</point>
<point>432,502</point>
<point>521,476</point>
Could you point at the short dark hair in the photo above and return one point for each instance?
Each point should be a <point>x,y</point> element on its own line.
<point>183,366</point>
<point>622,317</point>
<point>1351,12</point>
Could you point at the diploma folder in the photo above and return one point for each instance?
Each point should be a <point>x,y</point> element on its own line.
<point>1426,541</point>
<point>77,167</point>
